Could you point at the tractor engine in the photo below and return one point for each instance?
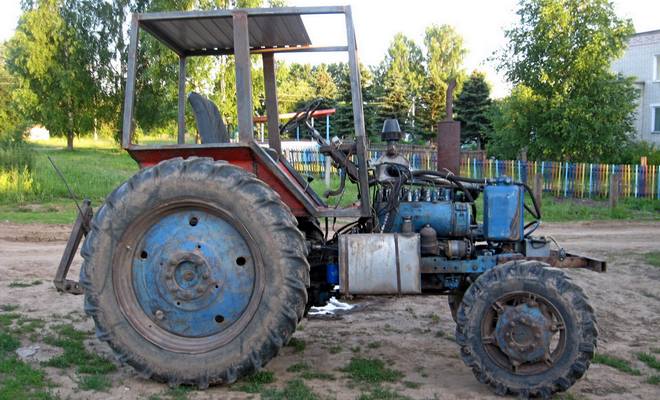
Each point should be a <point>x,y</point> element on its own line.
<point>426,235</point>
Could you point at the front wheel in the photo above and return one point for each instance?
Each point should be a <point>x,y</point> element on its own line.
<point>526,330</point>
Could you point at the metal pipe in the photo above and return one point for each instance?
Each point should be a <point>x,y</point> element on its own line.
<point>181,137</point>
<point>129,99</point>
<point>358,113</point>
<point>272,112</point>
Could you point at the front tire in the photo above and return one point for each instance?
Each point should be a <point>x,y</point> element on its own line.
<point>525,329</point>
<point>194,272</point>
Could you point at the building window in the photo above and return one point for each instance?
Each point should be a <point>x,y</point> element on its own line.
<point>655,118</point>
<point>656,68</point>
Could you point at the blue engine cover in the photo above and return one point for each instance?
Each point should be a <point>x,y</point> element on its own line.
<point>503,212</point>
<point>447,218</point>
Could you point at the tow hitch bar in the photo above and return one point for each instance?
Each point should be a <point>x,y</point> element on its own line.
<point>80,229</point>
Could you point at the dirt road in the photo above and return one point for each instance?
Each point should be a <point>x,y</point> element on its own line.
<point>413,335</point>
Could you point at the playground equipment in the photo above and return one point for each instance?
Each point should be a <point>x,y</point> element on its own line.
<point>198,268</point>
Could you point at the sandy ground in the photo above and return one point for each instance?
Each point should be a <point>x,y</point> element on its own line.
<point>626,299</point>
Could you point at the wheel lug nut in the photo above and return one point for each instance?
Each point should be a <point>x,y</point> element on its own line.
<point>159,314</point>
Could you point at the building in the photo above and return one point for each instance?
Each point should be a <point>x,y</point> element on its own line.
<point>642,61</point>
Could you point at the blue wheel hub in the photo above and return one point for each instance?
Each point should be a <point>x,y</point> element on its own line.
<point>193,273</point>
<point>524,333</point>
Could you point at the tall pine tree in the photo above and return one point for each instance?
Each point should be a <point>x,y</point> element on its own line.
<point>472,107</point>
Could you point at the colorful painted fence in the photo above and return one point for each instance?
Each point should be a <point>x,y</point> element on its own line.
<point>561,178</point>
<point>571,179</point>
<point>312,162</point>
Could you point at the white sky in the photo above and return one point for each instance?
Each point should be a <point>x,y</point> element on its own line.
<point>480,22</point>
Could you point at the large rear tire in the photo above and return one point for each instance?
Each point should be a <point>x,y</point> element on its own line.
<point>525,329</point>
<point>194,272</point>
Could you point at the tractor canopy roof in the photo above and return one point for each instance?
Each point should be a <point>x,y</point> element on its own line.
<point>199,33</point>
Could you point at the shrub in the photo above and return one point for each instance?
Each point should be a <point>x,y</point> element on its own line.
<point>16,185</point>
<point>16,155</point>
<point>633,151</point>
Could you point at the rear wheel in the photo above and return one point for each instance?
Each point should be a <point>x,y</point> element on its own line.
<point>194,272</point>
<point>525,329</point>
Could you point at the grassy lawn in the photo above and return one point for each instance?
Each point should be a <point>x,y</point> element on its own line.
<point>95,168</point>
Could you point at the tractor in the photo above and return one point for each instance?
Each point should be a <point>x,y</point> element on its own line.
<point>198,269</point>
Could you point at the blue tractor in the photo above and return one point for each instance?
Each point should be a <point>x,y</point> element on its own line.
<point>198,269</point>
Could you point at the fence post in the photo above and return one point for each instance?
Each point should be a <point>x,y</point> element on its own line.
<point>328,169</point>
<point>538,189</point>
<point>615,187</point>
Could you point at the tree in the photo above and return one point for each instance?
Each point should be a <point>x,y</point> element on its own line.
<point>342,121</point>
<point>559,56</point>
<point>11,127</point>
<point>54,71</point>
<point>444,59</point>
<point>472,107</point>
<point>400,75</point>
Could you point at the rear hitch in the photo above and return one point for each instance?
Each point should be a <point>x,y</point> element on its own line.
<point>80,229</point>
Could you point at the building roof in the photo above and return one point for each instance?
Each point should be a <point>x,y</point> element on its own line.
<point>211,32</point>
<point>653,32</point>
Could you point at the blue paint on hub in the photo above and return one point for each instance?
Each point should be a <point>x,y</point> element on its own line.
<point>193,273</point>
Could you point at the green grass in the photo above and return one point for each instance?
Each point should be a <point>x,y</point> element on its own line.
<point>97,383</point>
<point>349,196</point>
<point>17,284</point>
<point>616,363</point>
<point>19,380</point>
<point>255,382</point>
<point>318,375</point>
<point>51,212</point>
<point>7,319</point>
<point>294,390</point>
<point>298,345</point>
<point>653,380</point>
<point>25,326</point>
<point>75,355</point>
<point>649,360</point>
<point>91,172</point>
<point>412,385</point>
<point>8,343</point>
<point>335,350</point>
<point>299,367</point>
<point>8,307</point>
<point>369,370</point>
<point>555,209</point>
<point>653,258</point>
<point>95,168</point>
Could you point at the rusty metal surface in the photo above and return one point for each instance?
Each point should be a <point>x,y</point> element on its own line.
<point>80,229</point>
<point>449,143</point>
<point>558,260</point>
<point>379,264</point>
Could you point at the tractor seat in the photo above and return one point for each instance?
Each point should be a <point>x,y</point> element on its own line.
<point>210,126</point>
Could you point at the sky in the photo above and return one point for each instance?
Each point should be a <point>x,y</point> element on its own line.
<point>481,23</point>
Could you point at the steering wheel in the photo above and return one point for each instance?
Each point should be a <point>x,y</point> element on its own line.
<point>303,116</point>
